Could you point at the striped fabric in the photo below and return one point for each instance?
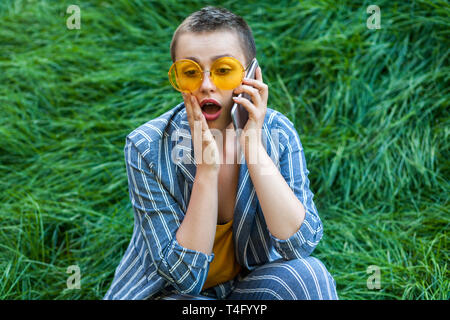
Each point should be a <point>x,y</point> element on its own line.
<point>295,279</point>
<point>160,166</point>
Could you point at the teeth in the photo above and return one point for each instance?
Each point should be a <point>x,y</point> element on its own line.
<point>209,104</point>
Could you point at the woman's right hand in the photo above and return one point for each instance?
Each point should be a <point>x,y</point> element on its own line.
<point>206,151</point>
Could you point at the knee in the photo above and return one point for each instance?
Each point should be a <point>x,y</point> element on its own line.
<point>308,279</point>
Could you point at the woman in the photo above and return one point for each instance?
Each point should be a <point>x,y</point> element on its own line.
<point>233,218</point>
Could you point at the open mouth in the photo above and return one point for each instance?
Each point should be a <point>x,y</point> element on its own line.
<point>211,109</point>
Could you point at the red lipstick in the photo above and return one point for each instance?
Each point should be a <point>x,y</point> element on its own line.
<point>211,109</point>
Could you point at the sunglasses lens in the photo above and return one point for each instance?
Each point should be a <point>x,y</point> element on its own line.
<point>227,73</point>
<point>185,76</point>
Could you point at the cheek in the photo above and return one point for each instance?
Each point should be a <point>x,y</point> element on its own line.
<point>227,98</point>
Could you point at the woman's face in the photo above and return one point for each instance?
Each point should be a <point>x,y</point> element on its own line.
<point>204,48</point>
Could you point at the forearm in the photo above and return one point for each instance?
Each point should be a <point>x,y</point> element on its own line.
<point>197,230</point>
<point>283,212</point>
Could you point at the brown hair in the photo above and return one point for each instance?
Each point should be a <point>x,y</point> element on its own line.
<point>210,19</point>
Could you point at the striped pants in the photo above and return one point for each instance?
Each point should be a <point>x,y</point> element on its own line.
<point>298,279</point>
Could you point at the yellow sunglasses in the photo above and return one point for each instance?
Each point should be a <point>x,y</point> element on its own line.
<point>186,75</point>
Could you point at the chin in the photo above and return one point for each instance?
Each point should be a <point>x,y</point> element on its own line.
<point>216,124</point>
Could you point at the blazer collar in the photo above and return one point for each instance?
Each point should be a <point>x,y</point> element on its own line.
<point>185,153</point>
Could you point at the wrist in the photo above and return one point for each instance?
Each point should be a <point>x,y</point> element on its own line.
<point>207,172</point>
<point>254,151</point>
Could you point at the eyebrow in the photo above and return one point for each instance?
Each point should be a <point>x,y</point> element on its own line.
<point>212,58</point>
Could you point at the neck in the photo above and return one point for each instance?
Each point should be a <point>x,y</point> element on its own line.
<point>229,147</point>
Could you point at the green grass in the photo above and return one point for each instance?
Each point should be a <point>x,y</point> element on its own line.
<point>369,105</point>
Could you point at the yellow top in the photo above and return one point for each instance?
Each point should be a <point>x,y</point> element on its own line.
<point>224,266</point>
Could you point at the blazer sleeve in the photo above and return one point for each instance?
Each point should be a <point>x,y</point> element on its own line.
<point>293,168</point>
<point>158,217</point>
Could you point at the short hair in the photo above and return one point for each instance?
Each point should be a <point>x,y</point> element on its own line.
<point>210,19</point>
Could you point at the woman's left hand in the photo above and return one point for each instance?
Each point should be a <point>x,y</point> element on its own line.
<point>259,93</point>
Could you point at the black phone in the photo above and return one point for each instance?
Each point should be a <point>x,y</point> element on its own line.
<point>238,113</point>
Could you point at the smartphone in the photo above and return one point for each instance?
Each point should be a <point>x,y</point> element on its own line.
<point>238,112</point>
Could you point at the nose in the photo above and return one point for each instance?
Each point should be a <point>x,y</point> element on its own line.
<point>207,83</point>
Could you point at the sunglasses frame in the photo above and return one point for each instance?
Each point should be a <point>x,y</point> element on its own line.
<point>203,72</point>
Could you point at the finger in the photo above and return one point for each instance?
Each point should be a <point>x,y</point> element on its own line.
<point>258,74</point>
<point>205,127</point>
<point>250,107</point>
<point>257,83</point>
<point>194,112</point>
<point>253,92</point>
<point>187,104</point>
<point>198,115</point>
<point>261,86</point>
<point>196,109</point>
<point>195,125</point>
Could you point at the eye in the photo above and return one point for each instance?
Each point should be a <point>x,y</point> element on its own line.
<point>222,71</point>
<point>190,73</point>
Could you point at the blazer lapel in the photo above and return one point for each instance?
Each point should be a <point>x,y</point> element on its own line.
<point>185,152</point>
<point>244,213</point>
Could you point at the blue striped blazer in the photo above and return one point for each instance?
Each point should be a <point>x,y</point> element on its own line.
<point>160,166</point>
